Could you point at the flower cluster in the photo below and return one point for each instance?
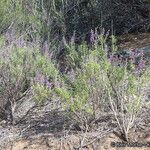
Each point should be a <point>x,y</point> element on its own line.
<point>138,58</point>
<point>136,54</point>
<point>43,80</point>
<point>114,59</point>
<point>94,36</point>
<point>135,58</point>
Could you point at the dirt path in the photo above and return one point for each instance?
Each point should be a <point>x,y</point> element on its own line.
<point>73,143</point>
<point>134,41</point>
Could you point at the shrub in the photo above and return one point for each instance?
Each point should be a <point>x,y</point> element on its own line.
<point>98,81</point>
<point>17,74</point>
<point>15,71</point>
<point>125,93</point>
<point>105,80</point>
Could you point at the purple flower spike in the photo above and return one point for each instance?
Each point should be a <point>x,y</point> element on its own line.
<point>142,53</point>
<point>103,32</point>
<point>43,80</point>
<point>92,37</point>
<point>48,83</point>
<point>141,64</point>
<point>132,55</point>
<point>135,54</point>
<point>107,33</point>
<point>37,77</point>
<point>111,58</point>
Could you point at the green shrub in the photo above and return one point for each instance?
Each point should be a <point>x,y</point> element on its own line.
<point>101,82</point>
<point>17,77</point>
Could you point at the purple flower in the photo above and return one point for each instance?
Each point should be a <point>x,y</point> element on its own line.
<point>136,54</point>
<point>140,67</point>
<point>92,37</point>
<point>141,64</point>
<point>111,58</point>
<point>141,53</point>
<point>38,78</point>
<point>137,72</point>
<point>107,33</point>
<point>41,79</point>
<point>45,48</point>
<point>48,83</point>
<point>103,32</point>
<point>132,55</point>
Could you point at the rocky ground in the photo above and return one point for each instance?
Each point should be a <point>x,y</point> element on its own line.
<point>64,140</point>
<point>51,130</point>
